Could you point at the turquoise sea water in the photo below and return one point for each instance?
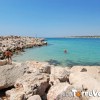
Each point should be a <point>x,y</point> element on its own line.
<point>81,51</point>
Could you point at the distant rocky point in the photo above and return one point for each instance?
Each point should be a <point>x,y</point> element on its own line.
<point>82,37</point>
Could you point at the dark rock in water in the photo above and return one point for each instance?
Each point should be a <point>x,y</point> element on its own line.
<point>84,70</point>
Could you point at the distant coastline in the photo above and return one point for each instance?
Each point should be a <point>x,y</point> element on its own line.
<point>76,37</point>
<point>82,37</point>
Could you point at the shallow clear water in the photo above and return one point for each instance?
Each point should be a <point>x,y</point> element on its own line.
<point>81,51</point>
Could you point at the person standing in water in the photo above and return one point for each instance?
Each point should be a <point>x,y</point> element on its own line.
<point>8,55</point>
<point>65,51</point>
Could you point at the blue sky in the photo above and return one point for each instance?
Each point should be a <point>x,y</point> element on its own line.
<point>49,18</point>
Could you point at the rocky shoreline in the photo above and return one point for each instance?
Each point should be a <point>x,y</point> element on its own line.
<point>34,80</point>
<point>17,44</point>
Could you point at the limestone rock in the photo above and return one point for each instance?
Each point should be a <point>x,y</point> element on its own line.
<point>33,84</point>
<point>3,62</point>
<point>84,79</point>
<point>61,91</point>
<point>35,97</point>
<point>45,69</point>
<point>94,71</point>
<point>41,67</point>
<point>9,74</point>
<point>88,80</point>
<point>60,73</point>
<point>17,96</point>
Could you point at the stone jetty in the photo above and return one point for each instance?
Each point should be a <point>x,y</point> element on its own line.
<point>34,80</point>
<point>18,43</point>
<point>12,42</point>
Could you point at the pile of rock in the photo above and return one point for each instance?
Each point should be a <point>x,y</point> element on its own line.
<point>40,81</point>
<point>12,42</point>
<point>18,43</point>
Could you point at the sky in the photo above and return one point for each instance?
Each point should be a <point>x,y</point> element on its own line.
<point>50,18</point>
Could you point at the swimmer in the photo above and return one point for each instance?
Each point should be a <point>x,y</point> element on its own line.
<point>65,51</point>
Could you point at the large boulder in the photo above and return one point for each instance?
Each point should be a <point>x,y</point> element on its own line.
<point>17,96</point>
<point>94,71</point>
<point>62,91</point>
<point>42,67</point>
<point>31,84</point>
<point>3,62</point>
<point>59,73</point>
<point>9,74</point>
<point>86,78</point>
